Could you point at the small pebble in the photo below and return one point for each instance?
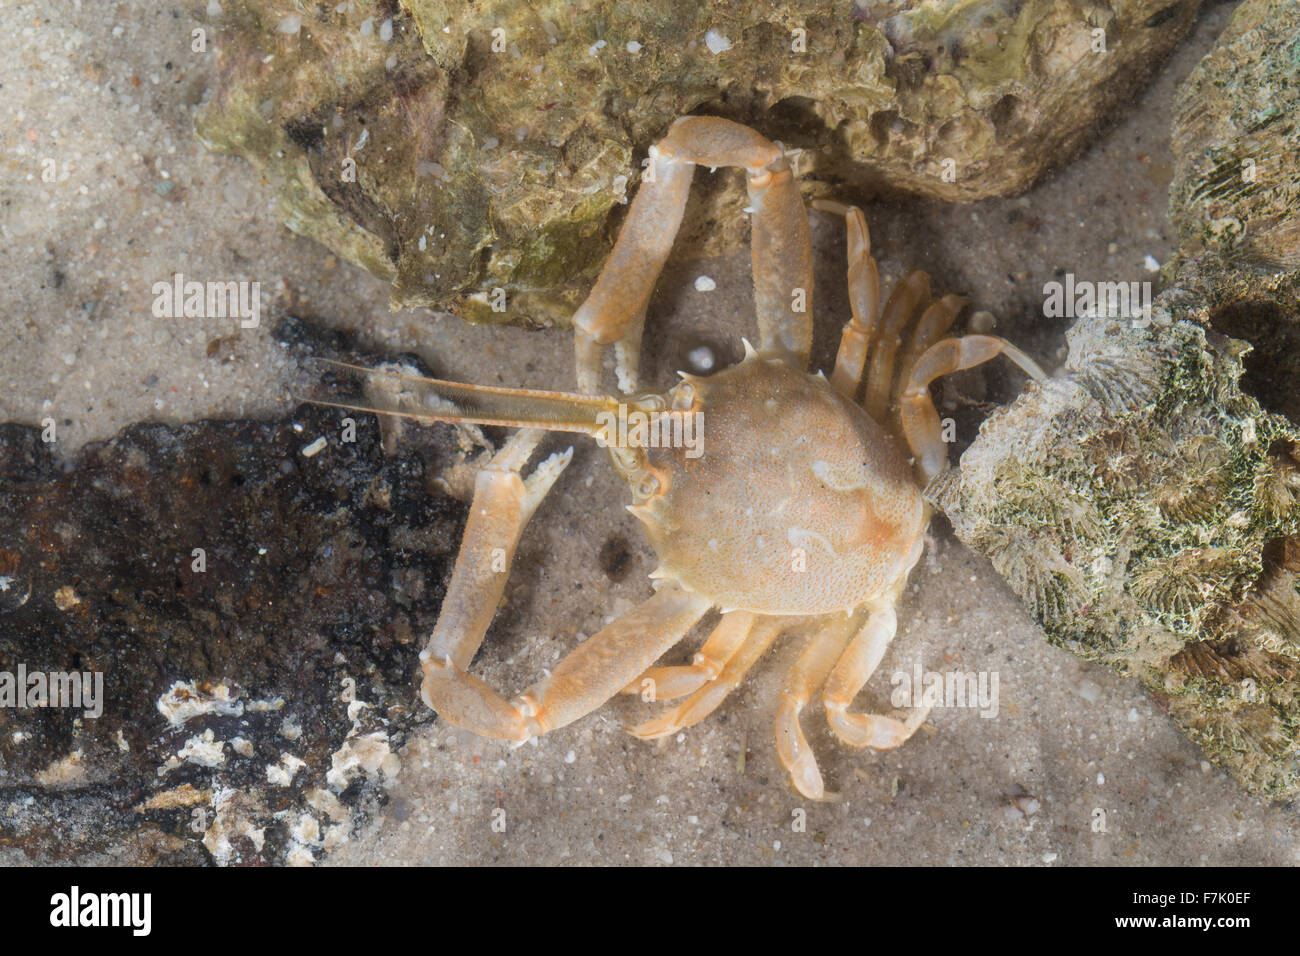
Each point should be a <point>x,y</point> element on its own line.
<point>314,448</point>
<point>702,359</point>
<point>1088,690</point>
<point>705,284</point>
<point>716,42</point>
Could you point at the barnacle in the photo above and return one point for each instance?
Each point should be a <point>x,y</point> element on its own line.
<point>1277,488</point>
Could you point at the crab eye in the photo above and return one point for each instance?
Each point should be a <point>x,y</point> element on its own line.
<point>647,486</point>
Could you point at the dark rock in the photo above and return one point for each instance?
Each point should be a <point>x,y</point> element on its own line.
<point>292,635</point>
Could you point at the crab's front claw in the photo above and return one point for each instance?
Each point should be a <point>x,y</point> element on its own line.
<point>781,253</point>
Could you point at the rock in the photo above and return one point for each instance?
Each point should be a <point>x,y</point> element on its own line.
<point>1236,179</point>
<point>458,149</point>
<point>1146,505</point>
<point>1148,512</point>
<point>256,617</point>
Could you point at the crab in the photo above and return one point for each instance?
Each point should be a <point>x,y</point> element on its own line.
<point>801,510</point>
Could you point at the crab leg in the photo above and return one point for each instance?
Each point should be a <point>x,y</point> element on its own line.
<point>919,418</point>
<point>668,683</point>
<point>705,700</point>
<point>781,246</point>
<point>591,674</point>
<point>864,299</point>
<point>814,663</point>
<point>902,302</point>
<point>852,671</point>
<point>934,322</point>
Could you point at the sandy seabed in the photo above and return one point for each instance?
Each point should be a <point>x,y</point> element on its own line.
<point>108,93</point>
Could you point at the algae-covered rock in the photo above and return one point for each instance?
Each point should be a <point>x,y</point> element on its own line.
<point>1148,512</point>
<point>1146,504</point>
<point>460,148</point>
<point>1236,141</point>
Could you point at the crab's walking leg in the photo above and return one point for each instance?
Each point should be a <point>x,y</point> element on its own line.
<point>705,700</point>
<point>852,671</point>
<point>902,302</point>
<point>591,674</point>
<point>600,666</point>
<point>781,246</point>
<point>930,327</point>
<point>668,683</point>
<point>814,663</point>
<point>920,420</point>
<point>864,300</point>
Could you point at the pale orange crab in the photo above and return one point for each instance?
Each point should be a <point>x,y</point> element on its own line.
<point>799,508</point>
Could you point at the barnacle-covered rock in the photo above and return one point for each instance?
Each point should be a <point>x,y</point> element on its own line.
<point>1236,180</point>
<point>1148,512</point>
<point>1236,191</point>
<point>461,148</point>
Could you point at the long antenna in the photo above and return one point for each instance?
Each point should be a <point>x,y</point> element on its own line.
<point>480,404</point>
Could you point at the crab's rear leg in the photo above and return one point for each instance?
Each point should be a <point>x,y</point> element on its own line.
<point>864,299</point>
<point>852,671</point>
<point>933,324</point>
<point>902,303</point>
<point>669,683</point>
<point>781,247</point>
<point>704,701</point>
<point>808,673</point>
<point>589,675</point>
<point>920,420</point>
